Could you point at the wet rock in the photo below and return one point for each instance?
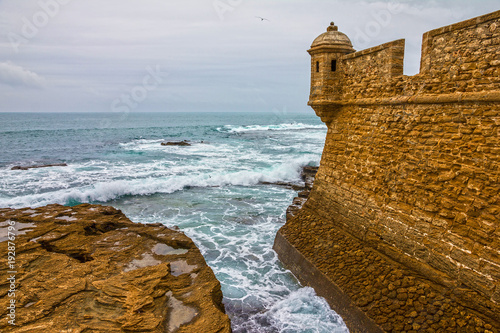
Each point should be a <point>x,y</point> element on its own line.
<point>90,269</point>
<point>176,143</point>
<point>307,175</point>
<point>19,167</point>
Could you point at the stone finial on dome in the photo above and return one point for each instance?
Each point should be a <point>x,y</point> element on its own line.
<point>332,27</point>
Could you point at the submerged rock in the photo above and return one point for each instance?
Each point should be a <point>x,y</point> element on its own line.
<point>19,167</point>
<point>176,143</point>
<point>90,269</point>
<point>307,175</point>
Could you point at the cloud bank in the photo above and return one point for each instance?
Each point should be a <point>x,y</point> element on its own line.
<point>217,55</point>
<point>14,75</point>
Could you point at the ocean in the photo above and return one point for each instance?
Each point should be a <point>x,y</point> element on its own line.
<point>219,191</point>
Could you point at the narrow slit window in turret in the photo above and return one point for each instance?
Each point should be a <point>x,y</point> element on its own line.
<point>317,66</point>
<point>334,65</point>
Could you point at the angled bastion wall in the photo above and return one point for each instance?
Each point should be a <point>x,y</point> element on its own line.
<point>410,173</point>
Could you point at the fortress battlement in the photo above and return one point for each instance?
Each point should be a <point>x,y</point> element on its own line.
<point>457,59</point>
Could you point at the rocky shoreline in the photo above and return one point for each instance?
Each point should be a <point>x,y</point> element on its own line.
<point>307,175</point>
<point>88,268</point>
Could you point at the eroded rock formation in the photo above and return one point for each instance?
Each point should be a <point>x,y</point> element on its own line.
<point>90,269</point>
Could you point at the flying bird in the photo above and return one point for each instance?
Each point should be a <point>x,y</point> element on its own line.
<point>262,18</point>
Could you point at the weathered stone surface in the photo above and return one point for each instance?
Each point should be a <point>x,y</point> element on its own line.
<point>352,275</point>
<point>409,180</point>
<point>418,151</point>
<point>90,269</point>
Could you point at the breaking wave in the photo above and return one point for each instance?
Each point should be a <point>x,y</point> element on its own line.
<point>57,191</point>
<point>280,127</point>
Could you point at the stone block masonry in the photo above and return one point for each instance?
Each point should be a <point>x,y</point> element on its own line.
<point>404,214</point>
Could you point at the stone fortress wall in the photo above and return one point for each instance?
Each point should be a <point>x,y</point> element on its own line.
<point>410,173</point>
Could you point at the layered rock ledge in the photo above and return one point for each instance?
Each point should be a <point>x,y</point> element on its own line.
<point>90,269</point>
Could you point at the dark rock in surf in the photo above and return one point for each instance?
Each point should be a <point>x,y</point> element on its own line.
<point>308,175</point>
<point>176,143</point>
<point>19,167</point>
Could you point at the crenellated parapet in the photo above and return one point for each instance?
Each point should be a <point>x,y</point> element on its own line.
<point>460,59</point>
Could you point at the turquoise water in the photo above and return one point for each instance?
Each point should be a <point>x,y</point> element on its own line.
<point>212,190</point>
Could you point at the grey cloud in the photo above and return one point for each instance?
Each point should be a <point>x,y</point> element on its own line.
<point>14,75</point>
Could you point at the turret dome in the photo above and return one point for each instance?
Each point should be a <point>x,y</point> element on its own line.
<point>333,39</point>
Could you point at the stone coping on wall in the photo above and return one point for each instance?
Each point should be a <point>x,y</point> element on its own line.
<point>399,43</point>
<point>428,37</point>
<point>394,59</point>
<point>464,97</point>
<point>464,24</point>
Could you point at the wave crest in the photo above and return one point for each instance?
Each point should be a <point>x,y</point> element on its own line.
<point>104,191</point>
<point>280,127</point>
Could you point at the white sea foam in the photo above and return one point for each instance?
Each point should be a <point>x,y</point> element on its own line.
<point>300,311</point>
<point>209,190</point>
<point>196,148</point>
<point>280,127</point>
<point>259,294</point>
<point>137,142</point>
<point>111,188</point>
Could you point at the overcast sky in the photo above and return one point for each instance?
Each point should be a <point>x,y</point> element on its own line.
<point>191,55</point>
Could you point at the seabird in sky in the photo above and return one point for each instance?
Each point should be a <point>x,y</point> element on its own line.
<point>262,18</point>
